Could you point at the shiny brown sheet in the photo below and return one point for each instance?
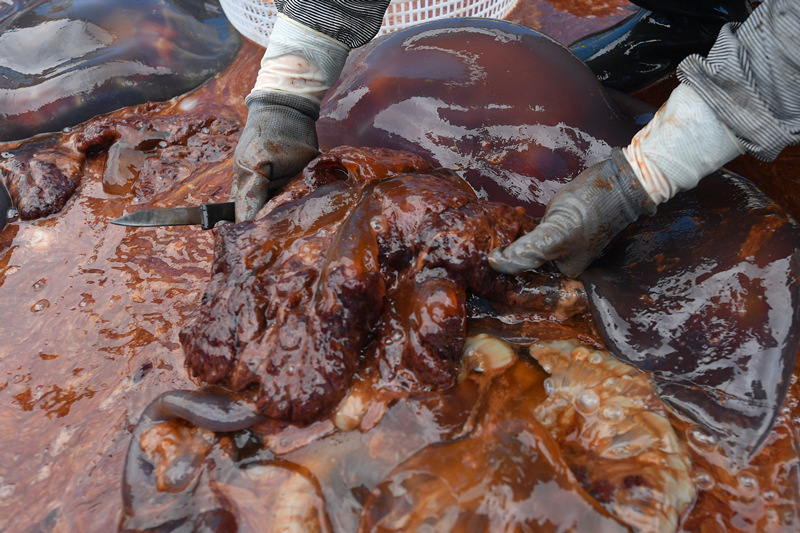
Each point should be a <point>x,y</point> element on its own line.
<point>89,322</point>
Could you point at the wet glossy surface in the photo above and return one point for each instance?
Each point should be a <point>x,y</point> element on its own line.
<point>363,266</point>
<point>705,295</point>
<point>69,60</point>
<point>90,315</point>
<point>91,338</point>
<point>472,96</point>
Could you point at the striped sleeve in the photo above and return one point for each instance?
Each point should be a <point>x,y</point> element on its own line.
<point>751,78</point>
<point>351,22</point>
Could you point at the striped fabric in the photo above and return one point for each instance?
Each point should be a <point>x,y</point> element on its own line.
<point>351,22</point>
<point>751,78</point>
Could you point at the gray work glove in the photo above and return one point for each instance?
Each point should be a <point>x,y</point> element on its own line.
<point>581,219</point>
<point>278,141</point>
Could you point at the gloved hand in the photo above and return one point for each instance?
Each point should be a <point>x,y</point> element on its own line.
<point>279,137</point>
<point>581,219</point>
<point>684,142</point>
<point>278,141</point>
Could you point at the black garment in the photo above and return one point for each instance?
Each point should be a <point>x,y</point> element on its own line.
<point>649,45</point>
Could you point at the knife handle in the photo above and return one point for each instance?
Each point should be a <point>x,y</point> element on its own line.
<point>210,214</point>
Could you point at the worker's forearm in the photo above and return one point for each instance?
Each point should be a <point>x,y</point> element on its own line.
<point>751,76</point>
<point>351,22</point>
<point>683,143</point>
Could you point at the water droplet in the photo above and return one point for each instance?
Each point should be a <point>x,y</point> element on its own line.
<point>205,130</point>
<point>704,480</point>
<point>769,495</point>
<point>290,370</point>
<point>612,412</point>
<point>609,383</point>
<point>796,421</point>
<point>378,223</point>
<point>587,401</point>
<point>397,335</point>
<point>772,515</point>
<point>41,305</point>
<point>547,367</point>
<point>66,130</point>
<point>162,144</point>
<point>793,379</point>
<point>549,386</point>
<point>40,239</point>
<point>596,358</point>
<point>748,481</point>
<point>322,232</point>
<point>580,353</point>
<point>700,439</point>
<point>39,284</point>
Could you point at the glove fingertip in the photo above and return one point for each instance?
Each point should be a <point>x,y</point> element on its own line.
<point>509,262</point>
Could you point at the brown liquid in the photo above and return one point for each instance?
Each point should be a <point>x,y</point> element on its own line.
<point>89,321</point>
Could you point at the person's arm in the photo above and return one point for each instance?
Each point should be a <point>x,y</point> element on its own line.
<point>306,53</point>
<point>743,97</point>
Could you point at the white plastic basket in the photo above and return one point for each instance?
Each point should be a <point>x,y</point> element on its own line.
<point>254,18</point>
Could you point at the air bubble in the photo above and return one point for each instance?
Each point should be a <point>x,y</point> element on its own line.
<point>587,401</point>
<point>39,306</point>
<point>39,284</point>
<point>748,481</point>
<point>596,358</point>
<point>40,239</point>
<point>609,383</point>
<point>162,144</point>
<point>701,440</point>
<point>7,155</point>
<point>580,353</point>
<point>612,413</point>
<point>397,335</point>
<point>378,223</point>
<point>704,480</point>
<point>772,516</point>
<point>549,386</point>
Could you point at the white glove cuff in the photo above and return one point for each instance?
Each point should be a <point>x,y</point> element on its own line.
<point>684,142</point>
<point>300,60</point>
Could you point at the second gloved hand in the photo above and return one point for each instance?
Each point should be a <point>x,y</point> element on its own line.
<point>581,219</point>
<point>278,141</point>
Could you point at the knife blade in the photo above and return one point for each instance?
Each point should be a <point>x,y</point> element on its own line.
<point>206,215</point>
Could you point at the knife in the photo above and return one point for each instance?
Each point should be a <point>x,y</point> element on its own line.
<point>207,215</point>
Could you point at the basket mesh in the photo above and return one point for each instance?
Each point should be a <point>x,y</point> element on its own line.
<point>254,18</point>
